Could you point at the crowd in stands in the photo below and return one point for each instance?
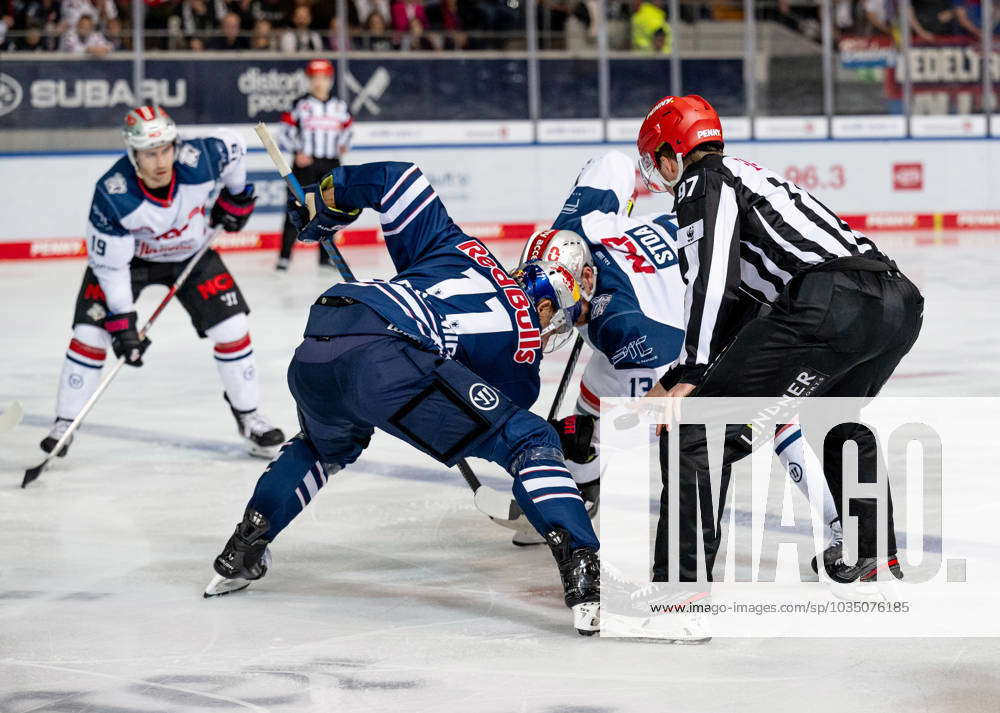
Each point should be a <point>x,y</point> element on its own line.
<point>98,27</point>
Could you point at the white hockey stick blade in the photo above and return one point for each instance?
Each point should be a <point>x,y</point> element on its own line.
<point>500,508</point>
<point>11,416</point>
<point>220,585</point>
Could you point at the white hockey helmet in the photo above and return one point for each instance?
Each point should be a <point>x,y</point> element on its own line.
<point>147,127</point>
<point>564,247</point>
<point>547,280</point>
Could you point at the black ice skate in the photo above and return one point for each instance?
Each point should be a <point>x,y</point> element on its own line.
<point>528,535</point>
<point>581,577</point>
<point>244,558</point>
<point>866,569</point>
<point>262,437</point>
<point>50,441</point>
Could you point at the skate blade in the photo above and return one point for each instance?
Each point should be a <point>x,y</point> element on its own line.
<point>587,618</point>
<point>268,452</point>
<point>687,632</point>
<point>220,586</point>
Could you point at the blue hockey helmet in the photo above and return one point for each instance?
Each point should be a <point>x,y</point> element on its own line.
<point>546,280</point>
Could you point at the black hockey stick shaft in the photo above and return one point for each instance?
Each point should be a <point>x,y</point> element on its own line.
<point>574,356</point>
<point>32,473</point>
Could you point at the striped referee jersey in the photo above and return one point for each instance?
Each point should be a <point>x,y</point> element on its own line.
<point>743,228</point>
<point>317,128</point>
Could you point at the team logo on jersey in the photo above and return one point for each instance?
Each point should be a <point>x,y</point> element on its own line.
<point>10,94</point>
<point>635,351</point>
<point>97,312</point>
<point>115,184</point>
<point>598,305</point>
<point>484,398</point>
<point>189,155</point>
<point>795,472</point>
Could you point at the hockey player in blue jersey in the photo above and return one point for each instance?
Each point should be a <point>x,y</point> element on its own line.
<point>151,211</point>
<point>633,318</point>
<point>444,356</point>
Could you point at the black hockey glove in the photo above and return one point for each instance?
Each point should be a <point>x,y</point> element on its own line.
<point>327,223</point>
<point>233,212</point>
<point>125,337</point>
<point>576,434</point>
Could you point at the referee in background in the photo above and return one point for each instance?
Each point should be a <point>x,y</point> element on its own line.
<point>841,316</point>
<point>318,132</point>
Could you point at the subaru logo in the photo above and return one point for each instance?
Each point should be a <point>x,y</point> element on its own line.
<point>484,397</point>
<point>10,94</point>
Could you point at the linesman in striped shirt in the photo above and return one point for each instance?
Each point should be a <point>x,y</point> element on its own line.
<point>839,318</point>
<point>317,132</point>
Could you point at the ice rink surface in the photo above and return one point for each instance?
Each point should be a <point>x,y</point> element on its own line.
<point>391,592</point>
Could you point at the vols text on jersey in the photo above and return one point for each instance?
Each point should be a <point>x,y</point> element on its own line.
<point>656,253</point>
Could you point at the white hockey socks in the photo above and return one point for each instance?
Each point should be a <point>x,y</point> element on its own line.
<point>803,467</point>
<point>81,372</point>
<point>235,361</point>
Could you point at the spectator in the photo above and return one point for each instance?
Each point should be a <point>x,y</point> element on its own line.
<point>364,9</point>
<point>376,36</point>
<point>33,40</point>
<point>262,38</point>
<point>196,44</point>
<point>881,15</point>
<point>932,18</point>
<point>196,18</point>
<point>84,39</point>
<point>231,38</point>
<point>332,39</point>
<point>404,12</point>
<point>240,7</point>
<point>73,9</point>
<point>113,33</point>
<point>647,20</point>
<point>969,16</point>
<point>447,16</point>
<point>416,39</point>
<point>301,38</point>
<point>274,11</point>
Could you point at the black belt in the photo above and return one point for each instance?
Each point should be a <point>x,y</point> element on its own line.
<point>879,263</point>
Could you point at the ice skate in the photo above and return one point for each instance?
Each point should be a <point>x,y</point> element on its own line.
<point>244,559</point>
<point>580,572</point>
<point>656,610</point>
<point>262,437</point>
<point>58,429</point>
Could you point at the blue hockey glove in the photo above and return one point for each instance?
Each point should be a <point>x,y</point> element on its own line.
<point>326,224</point>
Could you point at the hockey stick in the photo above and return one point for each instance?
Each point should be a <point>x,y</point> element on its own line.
<point>487,500</point>
<point>11,416</point>
<point>574,356</point>
<point>32,473</point>
<point>285,171</point>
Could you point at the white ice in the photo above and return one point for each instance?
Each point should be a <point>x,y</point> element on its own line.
<point>391,592</point>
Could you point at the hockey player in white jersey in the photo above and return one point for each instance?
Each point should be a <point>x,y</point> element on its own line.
<point>633,318</point>
<point>150,213</point>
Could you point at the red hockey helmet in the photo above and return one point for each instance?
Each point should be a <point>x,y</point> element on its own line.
<point>319,66</point>
<point>680,123</point>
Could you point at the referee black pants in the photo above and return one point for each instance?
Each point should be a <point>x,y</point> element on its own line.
<point>313,173</point>
<point>848,329</point>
